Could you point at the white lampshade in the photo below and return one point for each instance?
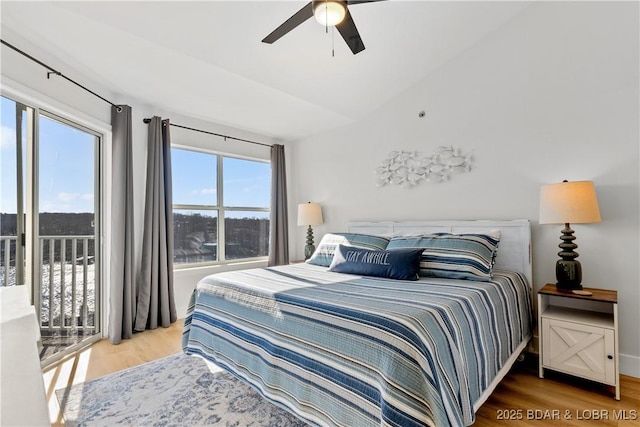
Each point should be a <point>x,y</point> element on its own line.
<point>569,202</point>
<point>329,13</point>
<point>309,214</point>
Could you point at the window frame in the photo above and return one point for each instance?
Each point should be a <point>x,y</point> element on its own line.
<point>219,208</point>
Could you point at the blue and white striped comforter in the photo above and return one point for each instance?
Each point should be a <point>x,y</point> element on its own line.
<point>338,349</point>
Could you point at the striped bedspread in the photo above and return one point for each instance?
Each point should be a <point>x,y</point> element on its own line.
<point>353,351</point>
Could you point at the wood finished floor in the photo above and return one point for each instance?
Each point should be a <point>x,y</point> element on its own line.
<point>521,399</point>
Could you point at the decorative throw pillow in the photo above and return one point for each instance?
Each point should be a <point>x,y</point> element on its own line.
<point>323,254</point>
<point>400,264</point>
<point>455,256</point>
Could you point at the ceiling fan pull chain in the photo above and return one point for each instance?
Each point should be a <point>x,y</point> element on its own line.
<point>333,45</point>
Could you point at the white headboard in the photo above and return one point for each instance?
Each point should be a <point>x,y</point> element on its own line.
<point>514,250</point>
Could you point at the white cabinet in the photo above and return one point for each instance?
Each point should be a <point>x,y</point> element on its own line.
<point>579,340</point>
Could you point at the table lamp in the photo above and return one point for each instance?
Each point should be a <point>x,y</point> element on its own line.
<point>566,203</point>
<point>309,214</point>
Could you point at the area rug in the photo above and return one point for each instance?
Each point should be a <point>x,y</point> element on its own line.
<point>177,390</point>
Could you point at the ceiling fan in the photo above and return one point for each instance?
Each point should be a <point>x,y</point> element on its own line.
<point>329,13</point>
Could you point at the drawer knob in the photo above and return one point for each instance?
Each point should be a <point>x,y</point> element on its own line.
<point>609,357</point>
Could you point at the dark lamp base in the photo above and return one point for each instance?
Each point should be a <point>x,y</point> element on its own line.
<point>308,251</point>
<point>568,275</point>
<point>568,268</point>
<point>309,248</point>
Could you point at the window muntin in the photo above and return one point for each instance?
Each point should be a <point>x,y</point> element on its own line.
<point>208,230</point>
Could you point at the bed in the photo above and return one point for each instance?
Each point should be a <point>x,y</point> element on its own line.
<point>338,349</point>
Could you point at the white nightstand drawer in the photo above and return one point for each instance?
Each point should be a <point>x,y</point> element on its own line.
<point>579,349</point>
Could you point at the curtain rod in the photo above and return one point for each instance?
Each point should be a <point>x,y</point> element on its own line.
<point>58,73</point>
<point>213,133</point>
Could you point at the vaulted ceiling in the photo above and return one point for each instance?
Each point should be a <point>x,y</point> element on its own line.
<point>205,59</point>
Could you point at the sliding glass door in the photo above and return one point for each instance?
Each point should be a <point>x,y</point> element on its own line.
<point>50,209</point>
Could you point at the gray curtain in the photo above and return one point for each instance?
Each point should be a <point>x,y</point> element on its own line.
<point>279,224</point>
<point>156,303</point>
<point>122,301</point>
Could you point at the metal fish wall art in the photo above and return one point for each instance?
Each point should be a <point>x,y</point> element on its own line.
<point>407,168</point>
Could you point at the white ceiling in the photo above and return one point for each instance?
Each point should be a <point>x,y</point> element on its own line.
<point>205,59</point>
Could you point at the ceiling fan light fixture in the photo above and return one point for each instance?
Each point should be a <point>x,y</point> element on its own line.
<point>329,13</point>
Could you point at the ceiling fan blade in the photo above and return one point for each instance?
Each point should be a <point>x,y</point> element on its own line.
<point>298,18</point>
<point>350,34</point>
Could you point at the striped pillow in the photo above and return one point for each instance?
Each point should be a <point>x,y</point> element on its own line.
<point>454,256</point>
<point>323,254</point>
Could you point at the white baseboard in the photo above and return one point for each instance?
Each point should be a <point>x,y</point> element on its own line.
<point>629,365</point>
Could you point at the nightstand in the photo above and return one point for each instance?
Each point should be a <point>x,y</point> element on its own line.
<point>582,339</point>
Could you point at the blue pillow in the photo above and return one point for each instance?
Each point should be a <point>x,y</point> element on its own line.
<point>323,254</point>
<point>467,256</point>
<point>400,264</point>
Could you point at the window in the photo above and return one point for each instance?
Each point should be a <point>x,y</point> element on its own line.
<point>220,207</point>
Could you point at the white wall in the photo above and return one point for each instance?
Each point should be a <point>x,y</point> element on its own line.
<point>552,95</point>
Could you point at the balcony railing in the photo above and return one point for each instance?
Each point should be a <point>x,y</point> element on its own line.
<point>66,298</point>
<point>8,272</point>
